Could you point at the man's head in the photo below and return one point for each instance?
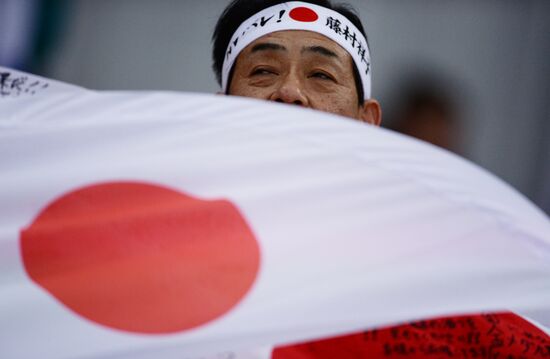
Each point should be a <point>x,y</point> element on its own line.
<point>306,55</point>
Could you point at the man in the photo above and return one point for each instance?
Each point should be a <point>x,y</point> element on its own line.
<point>315,54</point>
<point>275,51</point>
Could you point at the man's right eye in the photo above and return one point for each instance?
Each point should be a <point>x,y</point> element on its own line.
<point>262,71</point>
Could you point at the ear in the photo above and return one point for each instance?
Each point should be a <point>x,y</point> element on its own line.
<point>370,112</point>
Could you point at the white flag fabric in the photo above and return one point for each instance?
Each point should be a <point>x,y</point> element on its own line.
<point>172,225</point>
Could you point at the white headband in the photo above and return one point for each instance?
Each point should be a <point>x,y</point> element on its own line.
<point>297,15</point>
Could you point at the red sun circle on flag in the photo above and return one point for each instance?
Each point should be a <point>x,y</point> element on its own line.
<point>140,257</point>
<point>303,14</point>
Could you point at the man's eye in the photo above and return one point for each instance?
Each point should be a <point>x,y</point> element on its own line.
<point>262,71</point>
<point>322,76</point>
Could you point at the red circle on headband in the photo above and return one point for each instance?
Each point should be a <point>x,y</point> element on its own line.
<point>303,14</point>
<point>141,257</point>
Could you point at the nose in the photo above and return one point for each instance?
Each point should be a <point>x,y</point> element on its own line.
<point>290,90</point>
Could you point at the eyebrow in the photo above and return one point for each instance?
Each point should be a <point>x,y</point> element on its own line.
<point>320,50</point>
<point>263,46</point>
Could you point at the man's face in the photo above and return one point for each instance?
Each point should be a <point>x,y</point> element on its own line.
<point>298,67</point>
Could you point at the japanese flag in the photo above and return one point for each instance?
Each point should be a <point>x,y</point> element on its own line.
<point>174,225</point>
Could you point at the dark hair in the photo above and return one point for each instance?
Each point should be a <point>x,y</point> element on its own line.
<point>240,10</point>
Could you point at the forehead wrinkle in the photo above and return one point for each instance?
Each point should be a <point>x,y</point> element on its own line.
<point>265,46</point>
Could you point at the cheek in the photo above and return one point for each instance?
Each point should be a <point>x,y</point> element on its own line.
<point>342,104</point>
<point>240,87</point>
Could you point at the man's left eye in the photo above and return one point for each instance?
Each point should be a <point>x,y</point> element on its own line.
<point>322,76</point>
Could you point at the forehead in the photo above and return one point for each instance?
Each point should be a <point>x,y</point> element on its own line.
<point>298,39</point>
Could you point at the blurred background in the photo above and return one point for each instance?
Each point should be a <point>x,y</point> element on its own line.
<point>471,76</point>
